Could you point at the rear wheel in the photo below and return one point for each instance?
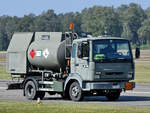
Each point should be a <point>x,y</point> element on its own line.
<point>31,93</point>
<point>75,92</point>
<point>113,96</point>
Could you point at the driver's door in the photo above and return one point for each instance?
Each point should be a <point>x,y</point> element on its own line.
<point>81,61</point>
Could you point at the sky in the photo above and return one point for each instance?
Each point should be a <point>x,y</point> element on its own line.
<point>24,7</point>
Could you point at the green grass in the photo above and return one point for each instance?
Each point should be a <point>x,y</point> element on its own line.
<point>3,74</point>
<point>142,72</point>
<point>142,47</point>
<point>31,107</point>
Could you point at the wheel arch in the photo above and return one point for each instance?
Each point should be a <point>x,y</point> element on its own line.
<point>72,78</point>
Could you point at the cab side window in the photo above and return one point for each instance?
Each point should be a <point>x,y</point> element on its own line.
<point>83,50</point>
<point>73,50</point>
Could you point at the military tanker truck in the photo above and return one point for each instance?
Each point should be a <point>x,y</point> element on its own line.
<point>69,65</point>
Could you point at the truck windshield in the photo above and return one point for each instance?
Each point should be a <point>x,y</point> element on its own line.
<point>111,50</point>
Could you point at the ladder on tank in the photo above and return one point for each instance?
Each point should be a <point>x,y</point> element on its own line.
<point>69,37</point>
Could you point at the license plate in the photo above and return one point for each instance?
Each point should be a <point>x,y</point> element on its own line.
<point>116,86</point>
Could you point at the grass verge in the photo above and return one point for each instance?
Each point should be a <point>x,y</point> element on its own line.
<point>3,73</point>
<point>31,107</point>
<point>142,72</point>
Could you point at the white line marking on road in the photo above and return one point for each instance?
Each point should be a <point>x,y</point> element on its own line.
<point>3,87</point>
<point>137,92</point>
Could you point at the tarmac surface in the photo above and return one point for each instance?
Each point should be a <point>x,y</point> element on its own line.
<point>140,96</point>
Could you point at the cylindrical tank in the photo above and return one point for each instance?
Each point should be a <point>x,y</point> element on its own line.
<point>47,55</point>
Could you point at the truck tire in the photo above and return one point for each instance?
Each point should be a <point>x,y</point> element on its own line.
<point>75,92</point>
<point>113,96</point>
<point>65,96</point>
<point>30,91</point>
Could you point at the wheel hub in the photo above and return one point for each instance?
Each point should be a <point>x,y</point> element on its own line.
<point>30,90</point>
<point>75,91</point>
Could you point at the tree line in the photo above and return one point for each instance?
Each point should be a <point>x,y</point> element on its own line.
<point>127,21</point>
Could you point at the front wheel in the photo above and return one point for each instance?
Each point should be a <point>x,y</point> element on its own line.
<point>75,92</point>
<point>113,96</point>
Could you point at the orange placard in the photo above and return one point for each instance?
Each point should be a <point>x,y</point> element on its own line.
<point>71,26</point>
<point>128,86</point>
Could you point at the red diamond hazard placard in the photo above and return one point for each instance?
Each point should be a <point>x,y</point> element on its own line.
<point>32,53</point>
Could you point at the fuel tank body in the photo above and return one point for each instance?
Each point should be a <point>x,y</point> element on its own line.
<point>47,51</point>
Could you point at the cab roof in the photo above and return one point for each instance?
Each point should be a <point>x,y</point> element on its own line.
<point>98,38</point>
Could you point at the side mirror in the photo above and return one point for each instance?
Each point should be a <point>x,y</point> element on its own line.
<point>137,52</point>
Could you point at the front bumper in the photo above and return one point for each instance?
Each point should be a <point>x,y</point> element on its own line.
<point>88,86</point>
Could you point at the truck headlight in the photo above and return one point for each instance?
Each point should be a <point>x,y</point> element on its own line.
<point>97,75</point>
